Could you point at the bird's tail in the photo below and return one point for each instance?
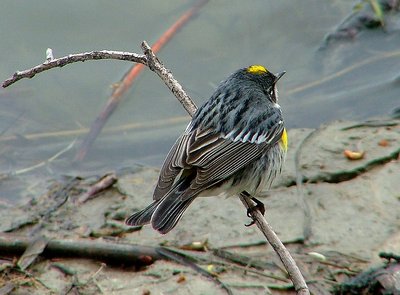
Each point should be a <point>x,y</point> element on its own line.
<point>164,213</point>
<point>143,217</point>
<point>169,212</point>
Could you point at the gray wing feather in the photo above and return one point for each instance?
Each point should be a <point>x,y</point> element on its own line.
<point>173,164</point>
<point>215,156</point>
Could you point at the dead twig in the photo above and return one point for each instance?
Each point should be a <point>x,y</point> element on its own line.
<point>77,284</point>
<point>240,259</point>
<point>72,58</point>
<point>245,245</point>
<point>30,277</point>
<point>177,257</point>
<point>258,272</point>
<point>8,288</point>
<point>34,249</point>
<point>105,182</point>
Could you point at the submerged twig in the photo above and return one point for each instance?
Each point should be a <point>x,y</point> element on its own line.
<point>76,284</point>
<point>343,72</point>
<point>39,165</point>
<point>121,128</point>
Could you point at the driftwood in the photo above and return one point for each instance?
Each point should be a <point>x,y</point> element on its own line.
<point>118,253</point>
<point>110,252</point>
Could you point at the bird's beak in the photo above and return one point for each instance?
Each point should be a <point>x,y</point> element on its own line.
<point>279,75</point>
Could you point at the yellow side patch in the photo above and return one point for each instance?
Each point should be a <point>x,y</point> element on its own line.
<point>284,140</point>
<point>257,69</point>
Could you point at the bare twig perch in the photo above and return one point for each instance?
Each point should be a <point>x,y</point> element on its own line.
<point>280,249</point>
<point>149,59</point>
<point>155,65</point>
<point>72,58</point>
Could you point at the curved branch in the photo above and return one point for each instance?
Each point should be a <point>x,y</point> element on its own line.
<point>72,58</point>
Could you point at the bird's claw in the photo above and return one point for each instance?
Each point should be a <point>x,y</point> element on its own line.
<point>259,206</point>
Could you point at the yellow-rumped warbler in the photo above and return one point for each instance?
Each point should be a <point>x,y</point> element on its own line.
<point>235,144</point>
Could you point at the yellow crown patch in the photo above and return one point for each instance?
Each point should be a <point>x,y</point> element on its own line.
<point>257,69</point>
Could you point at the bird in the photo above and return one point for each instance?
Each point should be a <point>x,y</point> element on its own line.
<point>236,143</point>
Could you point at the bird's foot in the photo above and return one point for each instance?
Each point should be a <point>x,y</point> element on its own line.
<point>258,206</point>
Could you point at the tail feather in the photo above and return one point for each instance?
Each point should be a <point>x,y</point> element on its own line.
<point>144,216</point>
<point>169,212</point>
<point>165,213</point>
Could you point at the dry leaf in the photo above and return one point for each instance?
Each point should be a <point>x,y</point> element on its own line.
<point>354,155</point>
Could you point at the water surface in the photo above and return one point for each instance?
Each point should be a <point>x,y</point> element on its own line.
<point>352,80</point>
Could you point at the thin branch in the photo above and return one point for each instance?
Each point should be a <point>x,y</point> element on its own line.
<point>72,58</point>
<point>290,265</point>
<point>172,255</point>
<point>240,259</point>
<point>156,66</point>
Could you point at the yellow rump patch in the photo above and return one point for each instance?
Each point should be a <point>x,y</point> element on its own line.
<point>284,140</point>
<point>257,69</point>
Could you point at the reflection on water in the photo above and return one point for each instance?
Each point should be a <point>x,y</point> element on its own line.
<point>351,80</point>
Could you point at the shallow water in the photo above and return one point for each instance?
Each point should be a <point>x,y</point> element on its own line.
<point>351,80</point>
